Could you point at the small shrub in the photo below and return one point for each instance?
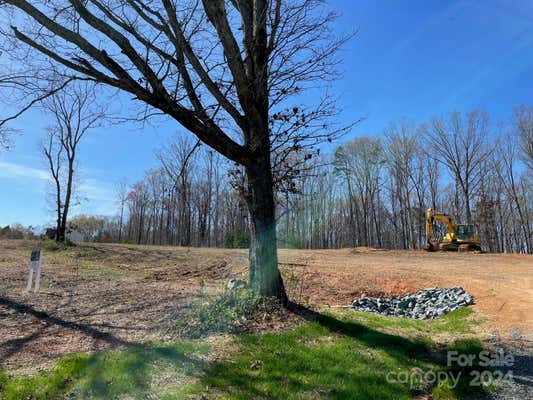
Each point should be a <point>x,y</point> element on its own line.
<point>52,245</point>
<point>225,313</point>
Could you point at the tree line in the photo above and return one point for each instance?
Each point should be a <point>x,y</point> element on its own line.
<point>375,190</point>
<point>371,191</point>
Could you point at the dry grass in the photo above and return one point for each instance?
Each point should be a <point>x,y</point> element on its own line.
<point>102,295</point>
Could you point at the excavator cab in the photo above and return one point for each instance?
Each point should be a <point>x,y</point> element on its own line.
<point>459,237</point>
<point>465,232</point>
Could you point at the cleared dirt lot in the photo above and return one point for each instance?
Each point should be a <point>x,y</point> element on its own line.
<point>95,296</point>
<point>502,284</point>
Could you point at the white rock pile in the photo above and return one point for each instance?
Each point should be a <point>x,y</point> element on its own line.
<point>428,303</point>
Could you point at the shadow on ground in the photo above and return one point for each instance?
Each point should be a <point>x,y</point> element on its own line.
<point>340,359</point>
<point>107,375</point>
<point>326,358</point>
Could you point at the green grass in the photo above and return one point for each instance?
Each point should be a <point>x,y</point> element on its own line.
<point>342,355</point>
<point>315,362</point>
<point>460,321</point>
<point>52,245</point>
<point>108,374</point>
<point>341,358</point>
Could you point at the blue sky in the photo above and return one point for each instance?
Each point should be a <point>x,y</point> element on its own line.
<point>410,59</point>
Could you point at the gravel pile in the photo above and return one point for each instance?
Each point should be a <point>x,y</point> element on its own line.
<point>428,303</point>
<point>520,386</point>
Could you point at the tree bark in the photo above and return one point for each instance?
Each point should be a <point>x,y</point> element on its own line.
<point>58,210</point>
<point>120,222</point>
<point>62,234</point>
<point>265,277</point>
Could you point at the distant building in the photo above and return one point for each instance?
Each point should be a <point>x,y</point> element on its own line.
<point>75,236</point>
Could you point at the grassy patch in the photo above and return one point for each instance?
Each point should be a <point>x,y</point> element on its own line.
<point>460,321</point>
<point>339,358</point>
<point>341,355</point>
<point>52,245</point>
<point>107,375</point>
<point>312,362</point>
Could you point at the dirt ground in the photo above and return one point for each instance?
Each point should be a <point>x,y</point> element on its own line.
<point>502,284</point>
<point>96,296</point>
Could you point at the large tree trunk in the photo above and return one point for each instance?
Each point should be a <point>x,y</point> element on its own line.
<point>265,277</point>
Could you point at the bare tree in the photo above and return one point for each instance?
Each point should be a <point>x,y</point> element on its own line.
<point>402,144</point>
<point>52,150</point>
<point>18,88</point>
<point>8,84</point>
<point>459,143</point>
<point>138,201</point>
<point>319,210</point>
<point>524,129</point>
<point>360,162</point>
<point>74,114</point>
<point>177,159</point>
<point>122,193</point>
<point>508,175</point>
<point>219,68</point>
<point>4,138</point>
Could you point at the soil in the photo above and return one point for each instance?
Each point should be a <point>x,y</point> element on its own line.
<point>96,296</point>
<point>502,284</point>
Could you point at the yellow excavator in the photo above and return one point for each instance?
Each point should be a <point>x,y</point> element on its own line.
<point>459,237</point>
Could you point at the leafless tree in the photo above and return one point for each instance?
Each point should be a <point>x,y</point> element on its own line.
<point>524,128</point>
<point>221,69</point>
<point>360,162</point>
<point>73,114</point>
<point>138,203</point>
<point>18,88</point>
<point>8,84</point>
<point>507,173</point>
<point>5,138</point>
<point>324,208</point>
<point>401,148</point>
<point>459,143</point>
<point>177,159</point>
<point>122,193</point>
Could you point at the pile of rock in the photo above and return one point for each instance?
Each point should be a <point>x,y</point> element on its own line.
<point>428,303</point>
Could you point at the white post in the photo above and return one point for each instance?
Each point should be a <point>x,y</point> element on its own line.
<point>38,277</point>
<point>30,278</point>
<point>35,268</point>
